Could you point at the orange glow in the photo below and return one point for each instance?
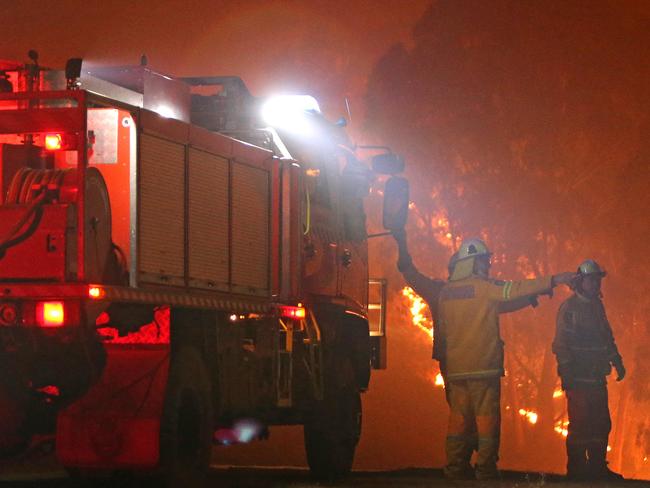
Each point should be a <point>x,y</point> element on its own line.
<point>558,393</point>
<point>50,314</point>
<point>96,292</point>
<point>53,142</point>
<point>439,381</point>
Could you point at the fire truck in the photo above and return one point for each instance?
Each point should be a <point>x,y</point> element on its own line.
<point>181,264</point>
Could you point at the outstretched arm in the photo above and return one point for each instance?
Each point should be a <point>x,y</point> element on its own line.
<point>508,291</point>
<point>518,304</point>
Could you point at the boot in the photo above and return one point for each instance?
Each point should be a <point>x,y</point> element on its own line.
<point>597,464</point>
<point>576,468</point>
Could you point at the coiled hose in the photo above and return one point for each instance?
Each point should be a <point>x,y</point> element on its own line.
<point>28,187</point>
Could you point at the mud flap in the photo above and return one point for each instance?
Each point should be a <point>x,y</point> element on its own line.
<point>117,423</point>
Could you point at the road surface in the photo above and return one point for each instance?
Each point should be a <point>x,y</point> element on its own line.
<point>259,477</point>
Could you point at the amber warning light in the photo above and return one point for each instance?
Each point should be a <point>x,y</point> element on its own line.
<point>58,142</point>
<point>50,314</point>
<point>53,142</point>
<point>96,292</point>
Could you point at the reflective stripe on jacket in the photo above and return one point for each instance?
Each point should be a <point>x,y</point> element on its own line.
<point>468,313</point>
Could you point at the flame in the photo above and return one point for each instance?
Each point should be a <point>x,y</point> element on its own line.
<point>558,393</point>
<point>417,307</point>
<point>529,414</point>
<point>561,427</point>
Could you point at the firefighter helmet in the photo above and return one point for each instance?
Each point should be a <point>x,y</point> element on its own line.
<point>590,267</point>
<point>472,248</point>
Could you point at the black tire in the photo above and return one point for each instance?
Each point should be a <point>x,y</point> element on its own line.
<point>96,478</point>
<point>332,433</point>
<point>186,429</point>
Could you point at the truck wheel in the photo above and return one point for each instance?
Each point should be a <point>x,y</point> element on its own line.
<point>186,429</point>
<point>332,433</point>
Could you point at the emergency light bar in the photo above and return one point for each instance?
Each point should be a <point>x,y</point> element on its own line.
<point>290,312</point>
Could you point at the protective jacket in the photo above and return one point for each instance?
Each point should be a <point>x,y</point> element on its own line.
<point>584,344</point>
<point>468,328</point>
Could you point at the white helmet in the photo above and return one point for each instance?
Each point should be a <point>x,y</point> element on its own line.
<point>472,248</point>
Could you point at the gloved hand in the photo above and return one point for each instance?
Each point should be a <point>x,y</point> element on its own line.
<point>620,369</point>
<point>564,278</point>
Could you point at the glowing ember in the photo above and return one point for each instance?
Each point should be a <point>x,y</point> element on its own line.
<point>439,381</point>
<point>558,393</point>
<point>529,414</point>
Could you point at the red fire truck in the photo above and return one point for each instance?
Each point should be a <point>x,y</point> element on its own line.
<point>178,271</point>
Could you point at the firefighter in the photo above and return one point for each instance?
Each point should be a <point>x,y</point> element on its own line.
<point>585,350</point>
<point>429,289</point>
<point>468,333</point>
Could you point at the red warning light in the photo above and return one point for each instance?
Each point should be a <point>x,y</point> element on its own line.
<point>290,312</point>
<point>50,314</point>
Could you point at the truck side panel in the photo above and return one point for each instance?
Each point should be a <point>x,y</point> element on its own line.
<point>162,219</point>
<point>250,229</point>
<point>209,254</point>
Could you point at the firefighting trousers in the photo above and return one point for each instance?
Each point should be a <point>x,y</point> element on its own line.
<point>474,424</point>
<point>589,427</point>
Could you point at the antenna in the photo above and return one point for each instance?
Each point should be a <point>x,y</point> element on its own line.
<point>347,108</point>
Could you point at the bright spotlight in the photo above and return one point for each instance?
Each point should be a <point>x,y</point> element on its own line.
<point>289,112</point>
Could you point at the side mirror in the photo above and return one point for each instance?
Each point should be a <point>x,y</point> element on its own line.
<point>396,203</point>
<point>387,164</point>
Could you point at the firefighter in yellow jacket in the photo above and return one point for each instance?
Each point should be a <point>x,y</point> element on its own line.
<point>468,332</point>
